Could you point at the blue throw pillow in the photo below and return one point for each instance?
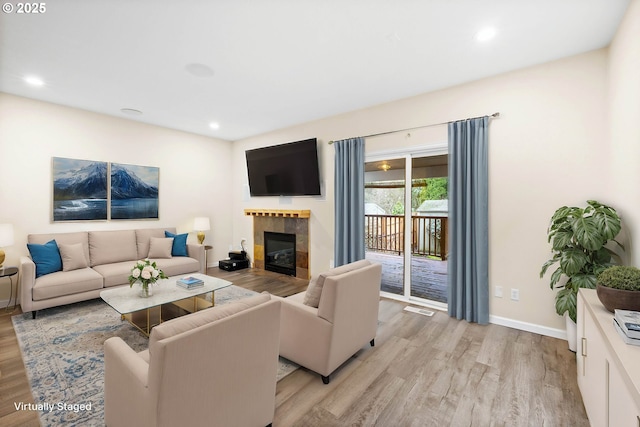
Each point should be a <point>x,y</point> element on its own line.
<point>179,243</point>
<point>46,257</point>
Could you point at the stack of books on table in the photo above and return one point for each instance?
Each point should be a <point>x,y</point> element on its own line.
<point>627,323</point>
<point>189,282</point>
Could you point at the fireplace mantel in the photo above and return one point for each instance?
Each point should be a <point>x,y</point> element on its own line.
<point>283,213</point>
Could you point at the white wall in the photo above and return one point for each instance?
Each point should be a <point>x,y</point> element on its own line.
<point>551,133</point>
<point>194,171</point>
<point>624,140</point>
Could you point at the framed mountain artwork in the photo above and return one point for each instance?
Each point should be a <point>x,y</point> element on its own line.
<point>134,191</point>
<point>79,190</point>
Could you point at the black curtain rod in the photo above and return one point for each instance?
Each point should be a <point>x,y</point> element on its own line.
<point>494,115</point>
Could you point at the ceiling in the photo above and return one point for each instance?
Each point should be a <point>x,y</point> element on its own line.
<point>257,66</point>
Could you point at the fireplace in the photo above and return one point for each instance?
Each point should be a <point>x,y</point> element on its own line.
<point>280,252</point>
<point>280,221</point>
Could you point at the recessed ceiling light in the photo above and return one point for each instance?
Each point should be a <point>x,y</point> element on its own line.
<point>199,70</point>
<point>214,125</point>
<point>34,81</point>
<point>131,111</point>
<point>486,34</point>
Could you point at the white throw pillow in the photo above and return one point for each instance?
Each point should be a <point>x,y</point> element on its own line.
<point>72,256</point>
<point>314,291</point>
<point>160,247</point>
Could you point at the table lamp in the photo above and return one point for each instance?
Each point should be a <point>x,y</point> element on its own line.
<point>6,239</point>
<point>201,224</point>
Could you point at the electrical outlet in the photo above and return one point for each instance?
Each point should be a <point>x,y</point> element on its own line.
<point>498,291</point>
<point>515,294</point>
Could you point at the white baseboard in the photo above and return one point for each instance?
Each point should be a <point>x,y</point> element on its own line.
<point>4,302</point>
<point>529,327</point>
<point>502,321</point>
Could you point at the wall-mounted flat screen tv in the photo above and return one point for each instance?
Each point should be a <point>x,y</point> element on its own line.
<point>284,170</point>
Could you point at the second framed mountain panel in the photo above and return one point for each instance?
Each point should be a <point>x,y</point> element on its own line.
<point>134,191</point>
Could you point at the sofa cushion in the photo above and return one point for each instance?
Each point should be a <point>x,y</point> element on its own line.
<point>314,290</point>
<point>116,273</point>
<point>191,321</point>
<point>160,247</point>
<point>179,243</point>
<point>144,355</point>
<point>46,257</point>
<point>178,265</point>
<point>72,256</point>
<point>106,247</point>
<point>64,283</point>
<point>143,235</point>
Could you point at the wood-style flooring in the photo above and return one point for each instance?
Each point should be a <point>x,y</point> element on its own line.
<point>423,371</point>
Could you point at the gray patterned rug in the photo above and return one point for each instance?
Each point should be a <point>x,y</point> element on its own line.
<point>63,353</point>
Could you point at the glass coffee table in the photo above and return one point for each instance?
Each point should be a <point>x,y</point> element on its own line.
<point>167,302</point>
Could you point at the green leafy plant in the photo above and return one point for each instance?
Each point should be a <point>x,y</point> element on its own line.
<point>620,277</point>
<point>578,237</point>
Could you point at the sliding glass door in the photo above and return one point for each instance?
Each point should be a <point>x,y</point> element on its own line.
<point>406,212</point>
<point>384,197</point>
<point>429,211</point>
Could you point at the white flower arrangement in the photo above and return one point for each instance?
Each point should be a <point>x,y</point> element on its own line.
<point>146,272</point>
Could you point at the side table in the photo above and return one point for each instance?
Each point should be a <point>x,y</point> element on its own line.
<point>206,266</point>
<point>10,272</point>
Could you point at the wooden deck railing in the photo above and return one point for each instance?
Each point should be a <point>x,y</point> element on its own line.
<point>385,233</point>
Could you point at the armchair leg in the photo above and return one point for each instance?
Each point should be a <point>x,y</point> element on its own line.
<point>372,342</point>
<point>325,380</point>
<point>33,314</point>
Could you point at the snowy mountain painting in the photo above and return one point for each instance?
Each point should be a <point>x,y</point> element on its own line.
<point>79,189</point>
<point>134,191</point>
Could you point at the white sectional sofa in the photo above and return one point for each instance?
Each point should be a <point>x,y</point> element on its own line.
<point>95,260</point>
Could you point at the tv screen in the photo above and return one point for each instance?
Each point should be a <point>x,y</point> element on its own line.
<point>284,170</point>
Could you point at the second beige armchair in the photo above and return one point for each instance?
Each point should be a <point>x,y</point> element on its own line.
<point>346,318</point>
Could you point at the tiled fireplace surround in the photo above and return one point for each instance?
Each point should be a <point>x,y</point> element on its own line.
<point>282,221</point>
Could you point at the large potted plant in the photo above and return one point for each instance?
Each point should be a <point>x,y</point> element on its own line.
<point>618,287</point>
<point>578,238</point>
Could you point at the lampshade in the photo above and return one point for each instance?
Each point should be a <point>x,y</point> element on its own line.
<point>6,235</point>
<point>201,223</point>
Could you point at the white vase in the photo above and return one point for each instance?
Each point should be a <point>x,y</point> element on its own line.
<point>572,333</point>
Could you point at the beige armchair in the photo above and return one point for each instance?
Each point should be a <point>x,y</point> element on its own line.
<point>346,318</point>
<point>216,367</point>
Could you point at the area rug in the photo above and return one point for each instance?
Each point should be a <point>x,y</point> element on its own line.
<point>63,354</point>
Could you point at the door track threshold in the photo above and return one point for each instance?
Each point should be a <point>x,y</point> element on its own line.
<point>419,311</point>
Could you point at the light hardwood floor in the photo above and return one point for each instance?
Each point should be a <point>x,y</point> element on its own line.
<point>423,371</point>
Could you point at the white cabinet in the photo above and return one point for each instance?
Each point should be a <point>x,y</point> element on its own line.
<point>608,372</point>
<point>623,410</point>
<point>592,378</point>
